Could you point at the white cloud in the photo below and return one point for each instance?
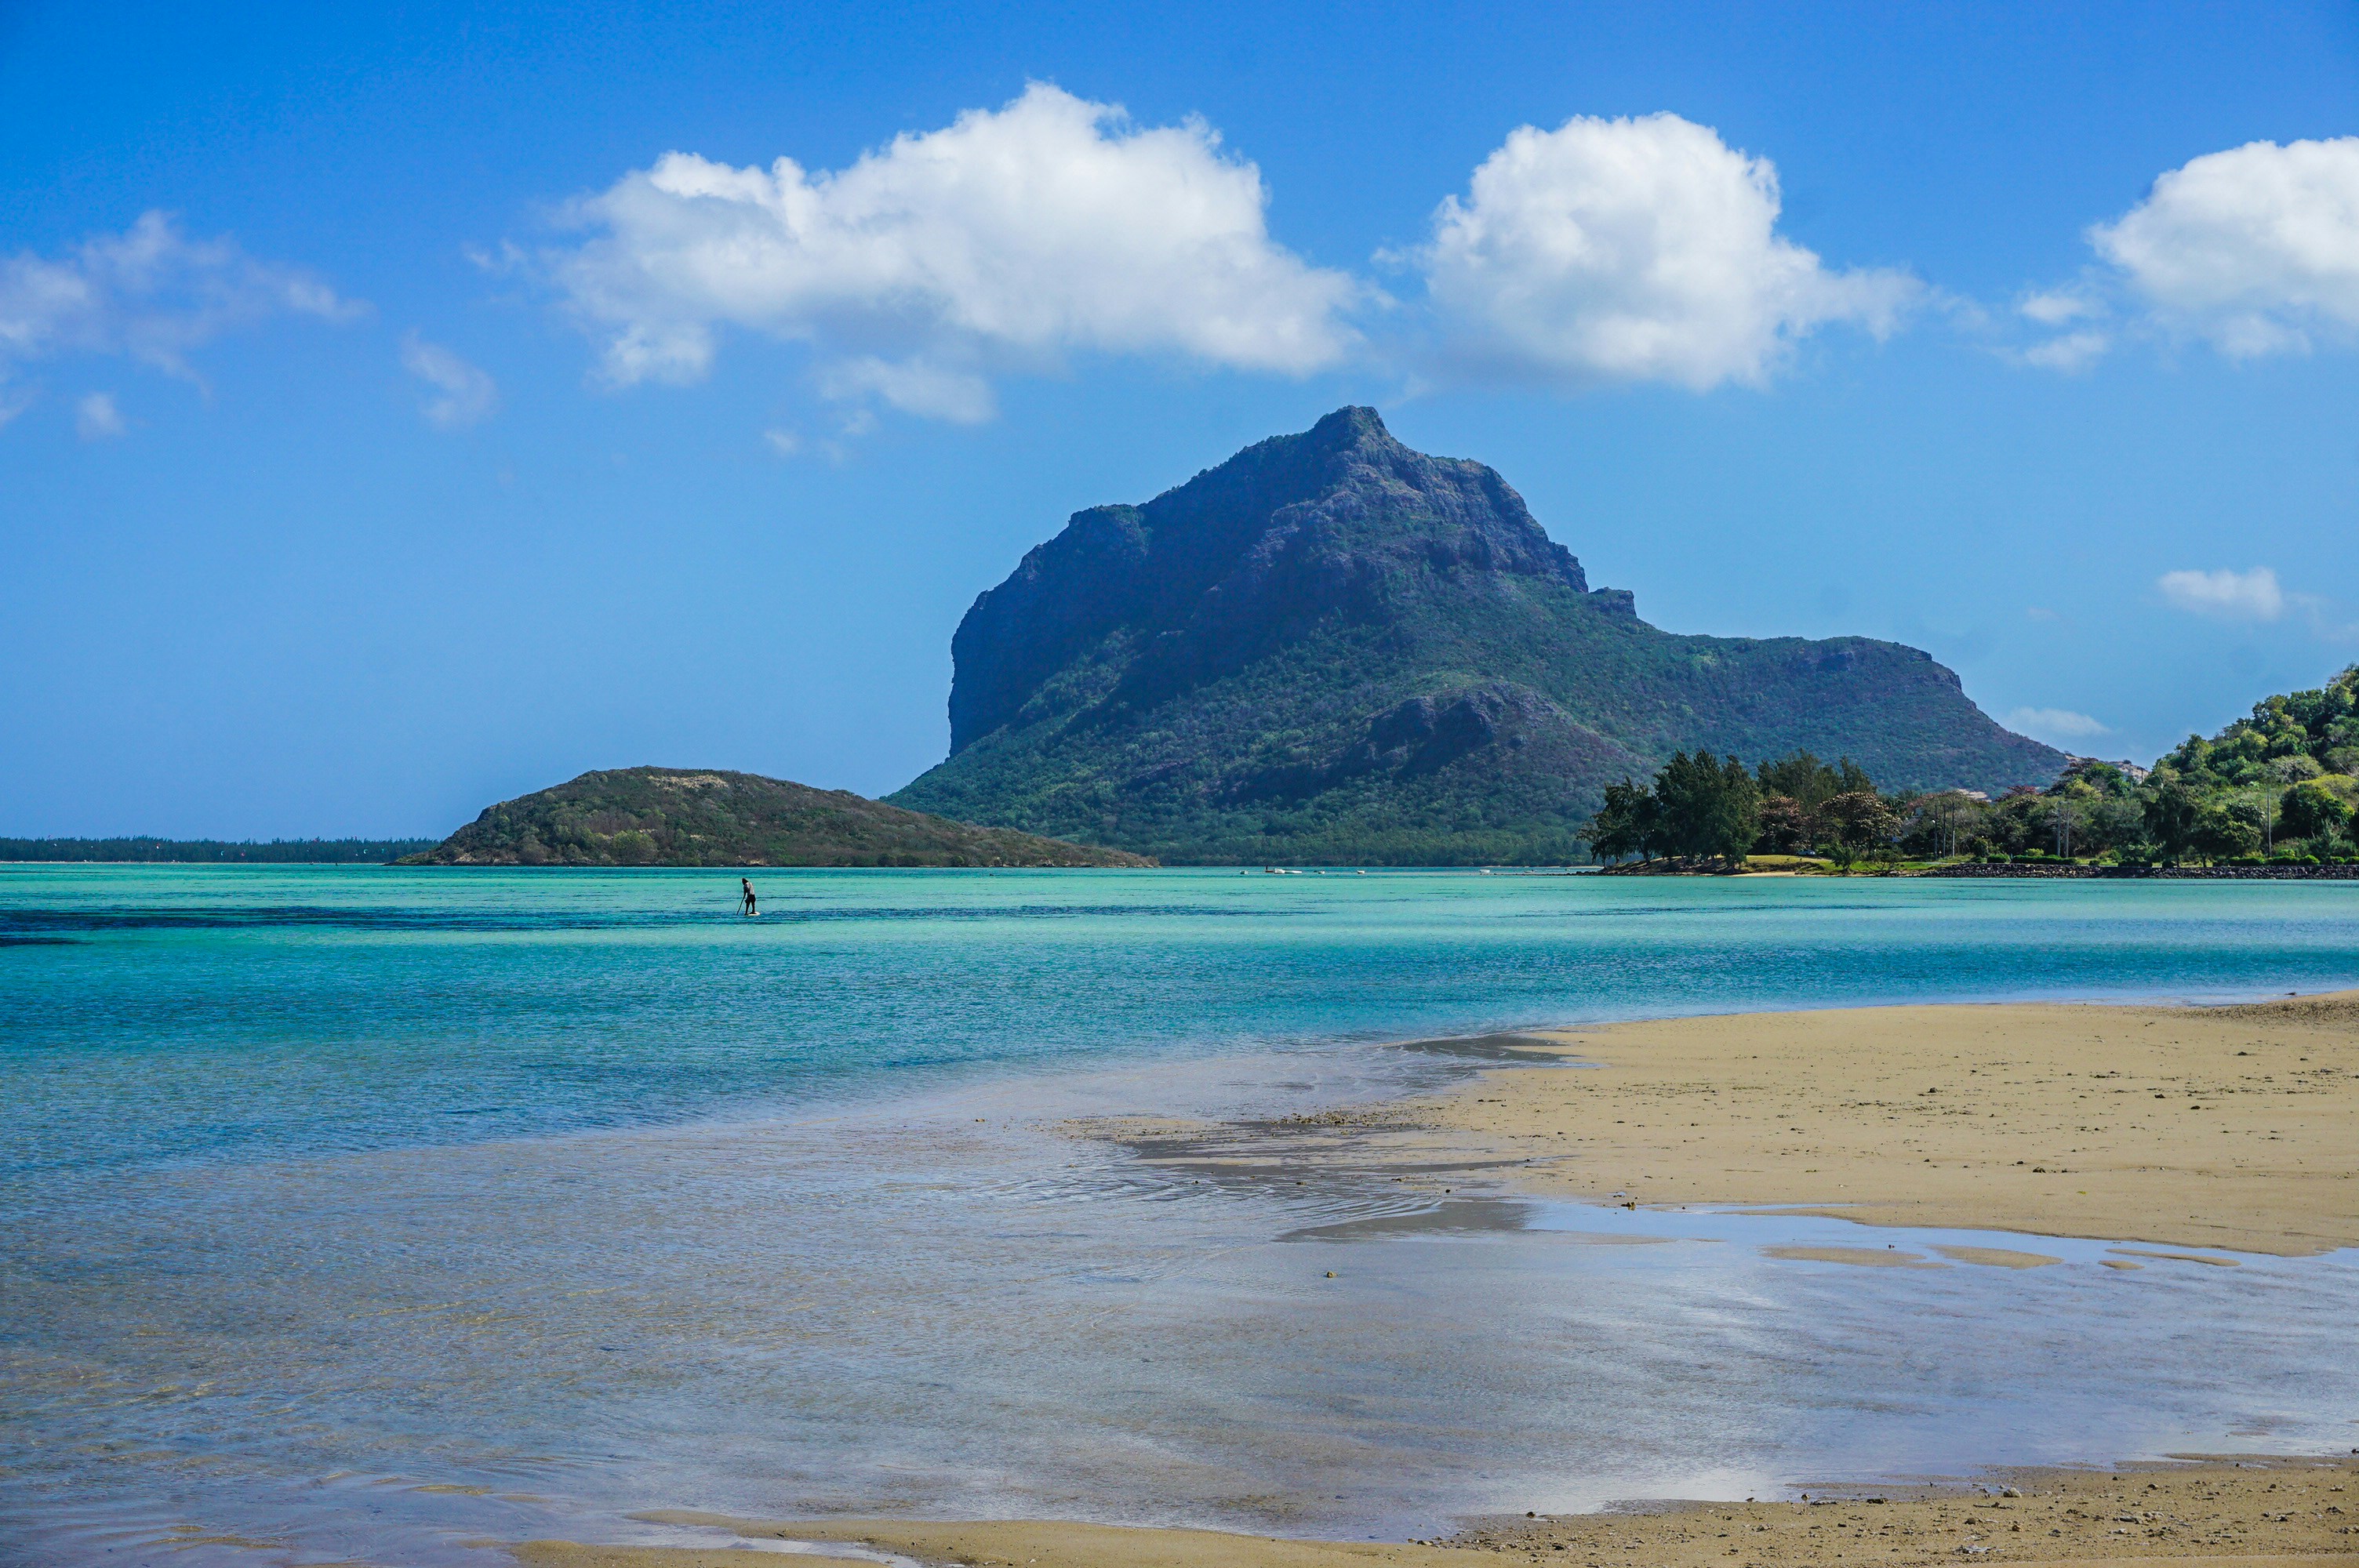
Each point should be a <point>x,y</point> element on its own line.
<point>2067,352</point>
<point>467,395</point>
<point>786,443</point>
<point>96,417</point>
<point>1633,250</point>
<point>2080,316</point>
<point>1004,240</point>
<point>2055,307</point>
<point>2228,596</point>
<point>2055,724</point>
<point>914,386</point>
<point>2255,250</point>
<point>149,294</point>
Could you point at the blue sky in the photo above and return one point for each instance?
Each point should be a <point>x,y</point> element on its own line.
<point>394,424</point>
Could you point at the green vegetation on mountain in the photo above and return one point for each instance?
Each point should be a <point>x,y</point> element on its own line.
<point>216,852</point>
<point>1332,648</point>
<point>2278,786</point>
<point>2279,782</point>
<point>683,816</point>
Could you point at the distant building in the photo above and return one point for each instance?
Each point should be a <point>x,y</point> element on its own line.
<point>2128,768</point>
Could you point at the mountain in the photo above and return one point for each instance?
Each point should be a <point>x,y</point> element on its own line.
<point>1334,648</point>
<point>680,816</point>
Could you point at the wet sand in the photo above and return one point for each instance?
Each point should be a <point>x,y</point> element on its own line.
<point>2222,1128</point>
<point>2263,1513</point>
<point>2228,1127</point>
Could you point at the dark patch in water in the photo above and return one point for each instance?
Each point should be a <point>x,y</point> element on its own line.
<point>1505,1047</point>
<point>1456,1217</point>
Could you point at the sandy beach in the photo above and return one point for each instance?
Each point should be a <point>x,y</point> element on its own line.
<point>2233,1127</point>
<point>2252,1513</point>
<point>2186,1129</point>
<point>2222,1127</point>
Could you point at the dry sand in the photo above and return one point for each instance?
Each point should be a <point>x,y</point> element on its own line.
<point>2256,1514</point>
<point>2228,1127</point>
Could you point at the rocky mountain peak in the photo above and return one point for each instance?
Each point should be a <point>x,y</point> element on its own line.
<point>1340,520</point>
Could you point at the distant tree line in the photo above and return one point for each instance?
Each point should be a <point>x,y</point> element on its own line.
<point>209,852</point>
<point>2279,785</point>
<point>1700,808</point>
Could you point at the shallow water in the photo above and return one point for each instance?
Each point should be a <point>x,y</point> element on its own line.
<point>577,1193</point>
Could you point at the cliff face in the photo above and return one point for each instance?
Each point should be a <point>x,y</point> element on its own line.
<point>685,816</point>
<point>1207,578</point>
<point>1332,647</point>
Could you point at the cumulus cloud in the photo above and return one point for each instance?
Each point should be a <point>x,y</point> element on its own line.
<point>465,394</point>
<point>149,294</point>
<point>2056,724</point>
<point>1008,238</point>
<point>1633,250</point>
<point>2068,351</point>
<point>2254,249</point>
<point>96,417</point>
<point>2254,595</point>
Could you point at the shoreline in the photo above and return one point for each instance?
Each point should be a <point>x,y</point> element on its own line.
<point>2281,1513</point>
<point>2230,1125</point>
<point>2233,1126</point>
<point>1884,1115</point>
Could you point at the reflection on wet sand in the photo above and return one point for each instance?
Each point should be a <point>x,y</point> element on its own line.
<point>2251,1512</point>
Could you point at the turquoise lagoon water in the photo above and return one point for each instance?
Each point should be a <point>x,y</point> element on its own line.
<point>364,1214</point>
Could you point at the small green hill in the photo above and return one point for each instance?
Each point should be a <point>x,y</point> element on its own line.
<point>682,816</point>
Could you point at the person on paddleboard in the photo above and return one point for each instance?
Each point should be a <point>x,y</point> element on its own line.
<point>747,883</point>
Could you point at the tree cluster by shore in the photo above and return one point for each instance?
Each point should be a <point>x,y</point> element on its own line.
<point>2277,786</point>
